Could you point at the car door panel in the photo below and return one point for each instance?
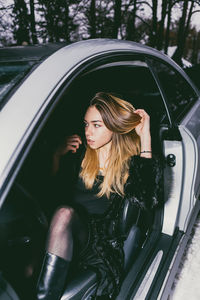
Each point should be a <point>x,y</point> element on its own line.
<point>172,182</point>
<point>190,162</point>
<point>180,95</point>
<point>180,181</point>
<point>192,123</point>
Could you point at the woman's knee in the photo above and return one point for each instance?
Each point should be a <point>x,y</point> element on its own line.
<point>62,218</point>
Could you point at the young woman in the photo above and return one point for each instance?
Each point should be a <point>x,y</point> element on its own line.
<point>116,165</point>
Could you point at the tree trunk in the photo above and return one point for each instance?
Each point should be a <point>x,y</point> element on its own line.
<point>131,28</point>
<point>169,13</point>
<point>92,19</point>
<point>153,36</point>
<point>51,21</point>
<point>117,18</point>
<point>188,20</point>
<point>181,33</point>
<point>21,22</point>
<point>67,33</point>
<point>161,25</point>
<point>32,22</point>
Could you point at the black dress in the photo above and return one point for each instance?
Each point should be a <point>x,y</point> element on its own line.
<point>87,199</point>
<point>104,253</point>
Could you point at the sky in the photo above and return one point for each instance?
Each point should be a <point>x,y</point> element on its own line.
<point>196,20</point>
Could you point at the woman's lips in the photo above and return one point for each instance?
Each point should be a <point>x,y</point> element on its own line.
<point>89,141</point>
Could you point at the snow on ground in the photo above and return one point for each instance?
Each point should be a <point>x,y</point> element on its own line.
<point>170,52</point>
<point>187,282</point>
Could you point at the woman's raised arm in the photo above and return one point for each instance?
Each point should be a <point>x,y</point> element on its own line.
<point>143,130</point>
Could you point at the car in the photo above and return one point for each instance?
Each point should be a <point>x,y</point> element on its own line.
<point>44,90</point>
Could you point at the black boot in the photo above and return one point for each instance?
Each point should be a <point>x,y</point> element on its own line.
<point>52,277</point>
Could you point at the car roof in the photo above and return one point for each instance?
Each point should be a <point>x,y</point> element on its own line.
<point>42,51</point>
<point>27,53</point>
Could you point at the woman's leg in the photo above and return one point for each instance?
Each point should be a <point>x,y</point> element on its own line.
<point>65,227</point>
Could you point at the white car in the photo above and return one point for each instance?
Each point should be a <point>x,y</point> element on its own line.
<point>44,91</point>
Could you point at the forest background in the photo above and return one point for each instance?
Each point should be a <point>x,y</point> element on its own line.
<point>158,23</point>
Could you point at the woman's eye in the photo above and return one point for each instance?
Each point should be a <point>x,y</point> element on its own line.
<point>96,125</point>
<point>85,124</point>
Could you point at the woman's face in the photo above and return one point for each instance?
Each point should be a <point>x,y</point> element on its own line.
<point>97,134</point>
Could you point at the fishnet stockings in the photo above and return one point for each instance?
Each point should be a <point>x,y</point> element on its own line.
<point>66,231</point>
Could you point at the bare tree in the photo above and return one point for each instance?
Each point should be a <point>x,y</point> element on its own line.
<point>92,19</point>
<point>181,34</point>
<point>117,17</point>
<point>32,22</point>
<point>6,34</point>
<point>153,36</point>
<point>183,29</point>
<point>160,35</point>
<point>67,20</point>
<point>56,24</point>
<point>131,22</point>
<point>21,22</point>
<point>153,32</point>
<point>169,14</point>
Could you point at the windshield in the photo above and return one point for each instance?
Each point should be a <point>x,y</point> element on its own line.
<point>10,75</point>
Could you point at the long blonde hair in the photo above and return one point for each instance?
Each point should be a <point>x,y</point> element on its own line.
<point>119,117</point>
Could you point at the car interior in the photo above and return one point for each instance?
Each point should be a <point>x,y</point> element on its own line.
<point>28,208</point>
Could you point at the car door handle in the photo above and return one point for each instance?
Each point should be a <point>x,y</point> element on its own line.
<point>171,160</point>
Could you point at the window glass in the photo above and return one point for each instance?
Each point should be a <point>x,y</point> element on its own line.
<point>178,91</point>
<point>133,81</point>
<point>10,74</point>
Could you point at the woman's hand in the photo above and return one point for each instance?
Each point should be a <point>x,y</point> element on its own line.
<point>144,127</point>
<point>71,143</point>
<point>143,130</point>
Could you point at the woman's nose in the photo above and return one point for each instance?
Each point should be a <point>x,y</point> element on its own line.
<point>88,130</point>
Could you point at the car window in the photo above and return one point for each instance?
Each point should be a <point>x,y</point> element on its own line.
<point>133,81</point>
<point>10,74</point>
<point>179,93</point>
